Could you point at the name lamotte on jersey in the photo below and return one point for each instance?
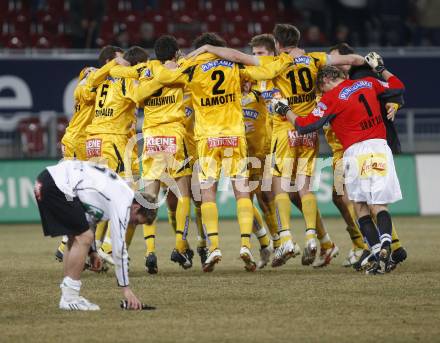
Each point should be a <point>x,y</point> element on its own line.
<point>160,101</point>
<point>300,98</point>
<point>218,100</point>
<point>217,63</point>
<point>346,92</point>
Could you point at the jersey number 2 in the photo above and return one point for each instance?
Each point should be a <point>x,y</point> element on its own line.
<point>218,74</point>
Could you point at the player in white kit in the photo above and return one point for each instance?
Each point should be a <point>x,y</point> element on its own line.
<point>72,197</point>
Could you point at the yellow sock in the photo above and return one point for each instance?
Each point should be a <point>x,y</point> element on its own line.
<point>322,234</point>
<point>129,233</point>
<point>355,233</point>
<point>245,215</point>
<point>63,243</point>
<point>270,218</point>
<point>395,242</point>
<point>210,221</point>
<point>172,219</point>
<point>201,239</point>
<point>150,238</point>
<point>107,244</point>
<point>309,209</point>
<point>282,206</point>
<point>182,223</point>
<point>259,230</point>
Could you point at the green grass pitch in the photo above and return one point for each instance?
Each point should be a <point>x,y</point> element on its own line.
<point>288,304</point>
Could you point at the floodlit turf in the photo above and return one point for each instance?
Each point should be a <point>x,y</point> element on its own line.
<point>291,303</point>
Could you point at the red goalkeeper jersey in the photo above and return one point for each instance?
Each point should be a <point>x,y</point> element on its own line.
<point>353,109</point>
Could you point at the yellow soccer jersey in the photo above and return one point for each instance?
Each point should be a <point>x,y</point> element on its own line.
<point>255,112</point>
<point>298,83</point>
<point>115,107</point>
<point>84,108</point>
<point>216,95</point>
<point>164,106</point>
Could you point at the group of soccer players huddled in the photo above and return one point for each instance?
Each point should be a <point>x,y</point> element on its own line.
<point>218,111</point>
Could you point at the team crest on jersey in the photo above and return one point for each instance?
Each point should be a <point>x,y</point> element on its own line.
<point>319,109</point>
<point>346,92</point>
<point>188,111</point>
<point>217,63</point>
<point>250,114</point>
<point>303,60</point>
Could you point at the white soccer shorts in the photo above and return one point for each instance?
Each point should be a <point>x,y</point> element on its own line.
<point>370,174</point>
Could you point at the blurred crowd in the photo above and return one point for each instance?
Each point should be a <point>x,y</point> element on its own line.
<point>94,23</point>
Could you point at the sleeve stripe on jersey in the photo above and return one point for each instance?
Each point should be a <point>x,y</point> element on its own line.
<point>302,130</point>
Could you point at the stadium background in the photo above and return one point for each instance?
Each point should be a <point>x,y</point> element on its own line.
<point>45,43</point>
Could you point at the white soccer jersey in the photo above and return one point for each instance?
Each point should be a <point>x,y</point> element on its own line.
<point>105,196</point>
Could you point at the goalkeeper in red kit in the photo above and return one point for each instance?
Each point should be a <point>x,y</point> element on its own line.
<point>353,108</point>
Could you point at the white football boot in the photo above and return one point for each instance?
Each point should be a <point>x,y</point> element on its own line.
<point>284,252</point>
<point>265,256</point>
<point>310,251</point>
<point>214,257</point>
<point>78,303</point>
<point>353,256</point>
<point>248,259</point>
<point>325,256</point>
<point>106,257</point>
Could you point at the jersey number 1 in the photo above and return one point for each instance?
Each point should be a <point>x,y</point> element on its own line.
<point>364,101</point>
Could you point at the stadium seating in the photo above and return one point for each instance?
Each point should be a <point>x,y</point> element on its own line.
<point>33,137</point>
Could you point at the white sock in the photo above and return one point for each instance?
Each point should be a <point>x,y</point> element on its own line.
<point>260,233</point>
<point>325,239</point>
<point>70,288</point>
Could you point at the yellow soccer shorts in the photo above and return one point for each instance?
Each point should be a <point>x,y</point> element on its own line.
<point>74,147</point>
<point>165,153</point>
<point>222,153</point>
<point>109,150</point>
<point>293,153</point>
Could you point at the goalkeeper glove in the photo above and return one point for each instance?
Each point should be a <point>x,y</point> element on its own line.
<point>375,61</point>
<point>280,107</point>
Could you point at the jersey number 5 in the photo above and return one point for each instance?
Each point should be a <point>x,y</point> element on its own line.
<point>103,95</point>
<point>218,74</point>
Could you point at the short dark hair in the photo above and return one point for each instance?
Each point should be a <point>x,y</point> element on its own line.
<point>166,47</point>
<point>210,38</point>
<point>266,39</point>
<point>136,55</point>
<point>108,53</point>
<point>342,48</point>
<point>150,214</point>
<point>286,35</point>
<point>329,71</point>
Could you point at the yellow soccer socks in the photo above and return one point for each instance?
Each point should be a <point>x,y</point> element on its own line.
<point>201,239</point>
<point>210,221</point>
<point>150,238</point>
<point>282,207</point>
<point>259,230</point>
<point>271,220</point>
<point>245,215</point>
<point>310,209</point>
<point>182,223</point>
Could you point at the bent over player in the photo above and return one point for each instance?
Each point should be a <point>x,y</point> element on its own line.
<point>72,197</point>
<point>353,108</point>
